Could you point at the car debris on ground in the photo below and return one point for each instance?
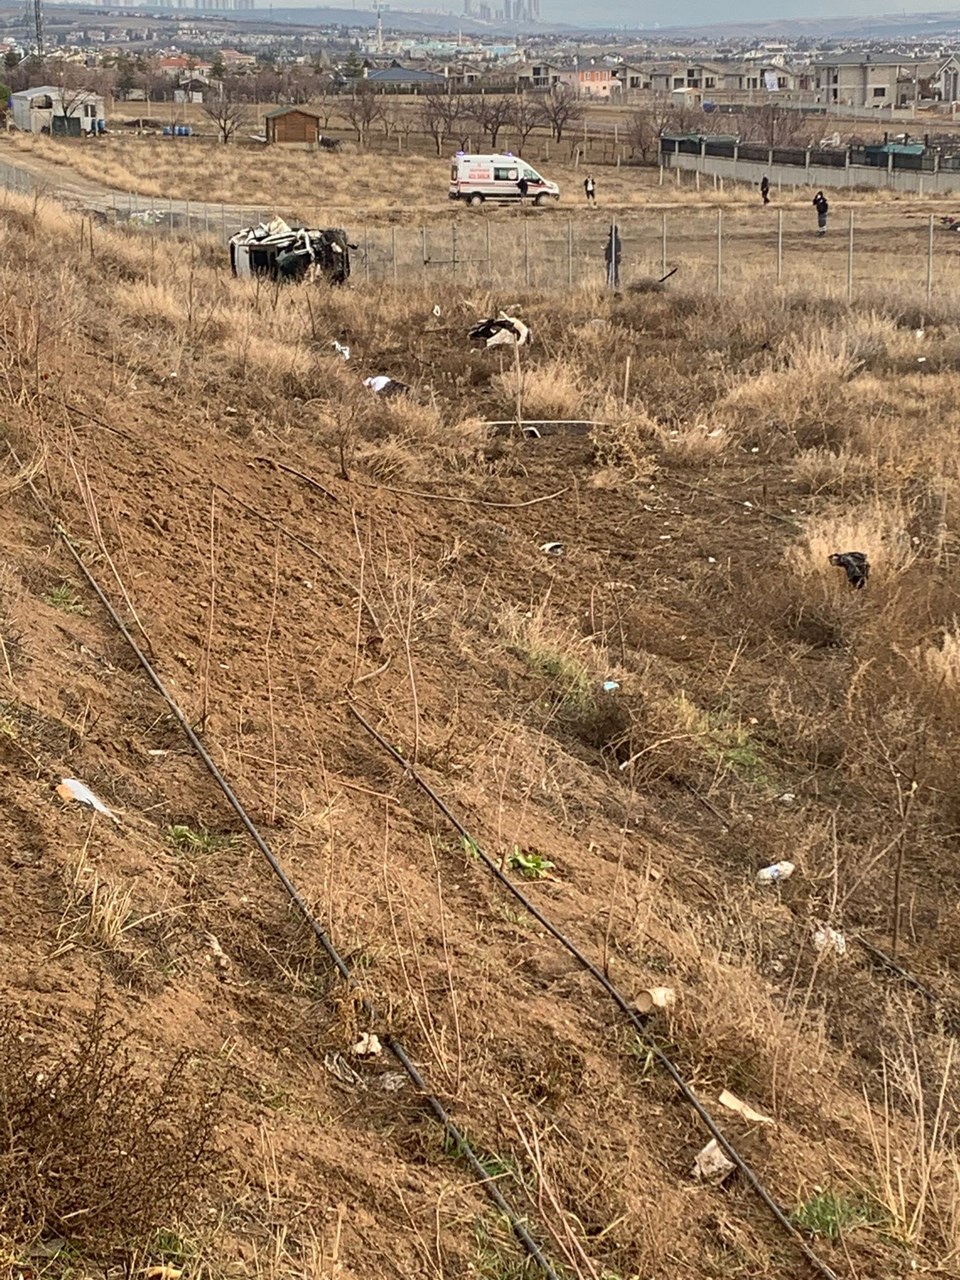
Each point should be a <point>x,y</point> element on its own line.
<point>501,330</point>
<point>778,871</point>
<point>856,566</point>
<point>712,1163</point>
<point>282,252</point>
<point>73,789</point>
<point>381,385</point>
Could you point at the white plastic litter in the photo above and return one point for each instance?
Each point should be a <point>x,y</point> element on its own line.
<point>437,312</point>
<point>611,686</point>
<point>712,1163</point>
<point>826,938</point>
<point>378,383</point>
<point>552,548</point>
<point>656,998</point>
<point>341,349</point>
<point>778,871</point>
<point>368,1046</point>
<point>72,789</point>
<point>733,1103</point>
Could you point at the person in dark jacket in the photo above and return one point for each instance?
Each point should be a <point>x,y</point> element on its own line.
<point>822,207</point>
<point>524,186</point>
<point>765,189</point>
<point>590,189</point>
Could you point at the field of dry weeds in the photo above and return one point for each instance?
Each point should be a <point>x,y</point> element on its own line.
<point>686,694</point>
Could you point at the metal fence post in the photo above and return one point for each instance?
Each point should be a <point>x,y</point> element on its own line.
<point>570,252</point>
<point>930,260</point>
<point>393,251</point>
<point>170,214</point>
<point>223,220</point>
<point>779,245</point>
<point>423,249</point>
<point>366,256</point>
<point>663,243</point>
<point>719,252</point>
<point>850,261</point>
<point>526,253</point>
<point>453,247</point>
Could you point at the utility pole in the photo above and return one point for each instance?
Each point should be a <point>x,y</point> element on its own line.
<point>38,22</point>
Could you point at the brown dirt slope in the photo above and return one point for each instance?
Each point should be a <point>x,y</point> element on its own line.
<point>764,711</point>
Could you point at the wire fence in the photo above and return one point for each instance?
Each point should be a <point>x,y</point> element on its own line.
<point>719,250</point>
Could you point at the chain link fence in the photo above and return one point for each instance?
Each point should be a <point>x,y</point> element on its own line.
<point>721,250</point>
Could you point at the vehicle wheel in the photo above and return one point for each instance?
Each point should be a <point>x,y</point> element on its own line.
<point>476,200</point>
<point>540,199</point>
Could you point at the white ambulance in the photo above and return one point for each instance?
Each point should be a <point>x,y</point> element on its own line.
<point>502,178</point>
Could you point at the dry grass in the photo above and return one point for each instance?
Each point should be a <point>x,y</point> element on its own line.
<point>739,732</point>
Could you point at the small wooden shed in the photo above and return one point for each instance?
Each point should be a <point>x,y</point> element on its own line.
<point>297,126</point>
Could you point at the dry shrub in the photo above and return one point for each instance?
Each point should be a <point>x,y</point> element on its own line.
<point>938,665</point>
<point>877,528</point>
<point>622,438</point>
<point>694,444</point>
<point>802,395</point>
<point>90,1149</point>
<point>549,391</point>
<point>831,471</point>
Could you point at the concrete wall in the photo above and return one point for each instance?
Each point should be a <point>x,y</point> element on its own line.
<point>857,175</point>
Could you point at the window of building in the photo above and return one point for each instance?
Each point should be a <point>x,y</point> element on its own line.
<point>880,92</point>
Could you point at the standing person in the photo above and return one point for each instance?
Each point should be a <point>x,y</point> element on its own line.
<point>590,189</point>
<point>822,207</point>
<point>765,189</point>
<point>524,186</point>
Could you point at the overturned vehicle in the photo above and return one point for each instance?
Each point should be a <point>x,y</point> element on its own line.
<point>281,252</point>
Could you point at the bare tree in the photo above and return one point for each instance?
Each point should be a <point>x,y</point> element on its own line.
<point>494,112</point>
<point>774,126</point>
<point>647,125</point>
<point>440,114</point>
<point>562,108</point>
<point>528,113</point>
<point>362,109</point>
<point>227,114</point>
<point>322,98</point>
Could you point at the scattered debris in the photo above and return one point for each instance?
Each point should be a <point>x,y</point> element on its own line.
<point>778,871</point>
<point>220,957</point>
<point>552,548</point>
<point>342,1071</point>
<point>394,1081</point>
<point>282,252</point>
<point>341,349</point>
<point>368,1046</point>
<point>712,1163</point>
<point>855,565</point>
<point>437,312</point>
<point>733,1103</point>
<point>165,1272</point>
<point>788,797</point>
<point>72,789</point>
<point>655,998</point>
<point>611,686</point>
<point>381,385</point>
<point>827,938</point>
<point>501,331</point>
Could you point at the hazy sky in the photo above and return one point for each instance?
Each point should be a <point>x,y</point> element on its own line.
<point>679,12</point>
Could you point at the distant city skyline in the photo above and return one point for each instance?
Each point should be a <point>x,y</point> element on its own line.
<point>704,12</point>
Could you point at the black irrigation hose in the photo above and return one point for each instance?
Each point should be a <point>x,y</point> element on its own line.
<point>618,998</point>
<point>460,1143</point>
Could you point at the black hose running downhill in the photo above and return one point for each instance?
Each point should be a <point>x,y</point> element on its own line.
<point>616,996</point>
<point>458,1141</point>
